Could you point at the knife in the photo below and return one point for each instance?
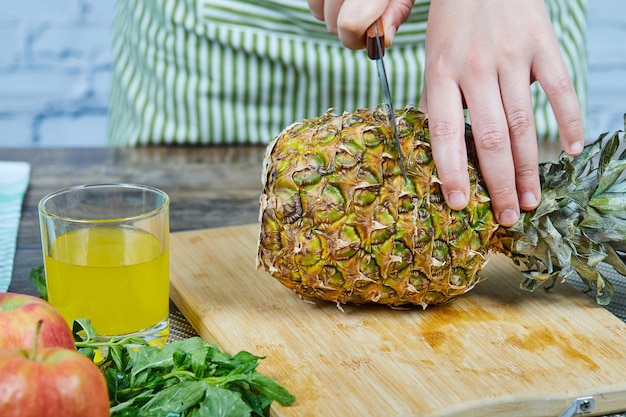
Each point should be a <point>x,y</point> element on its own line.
<point>375,46</point>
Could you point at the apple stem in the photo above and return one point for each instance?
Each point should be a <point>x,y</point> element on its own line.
<point>36,339</point>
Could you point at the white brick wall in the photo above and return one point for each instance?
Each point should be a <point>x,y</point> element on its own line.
<point>55,64</point>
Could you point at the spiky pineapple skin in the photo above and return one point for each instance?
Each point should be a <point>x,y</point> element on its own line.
<point>339,223</point>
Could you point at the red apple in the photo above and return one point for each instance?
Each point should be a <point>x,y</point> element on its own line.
<point>19,314</point>
<point>51,382</point>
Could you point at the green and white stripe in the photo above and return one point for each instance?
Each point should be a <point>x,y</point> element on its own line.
<point>239,71</point>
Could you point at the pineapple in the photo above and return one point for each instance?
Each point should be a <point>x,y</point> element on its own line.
<point>339,222</point>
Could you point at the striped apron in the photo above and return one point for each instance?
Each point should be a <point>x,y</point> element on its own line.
<point>239,71</point>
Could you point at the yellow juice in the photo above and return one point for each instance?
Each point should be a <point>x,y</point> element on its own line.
<point>116,276</point>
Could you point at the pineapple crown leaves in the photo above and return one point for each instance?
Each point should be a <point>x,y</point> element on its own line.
<point>580,221</point>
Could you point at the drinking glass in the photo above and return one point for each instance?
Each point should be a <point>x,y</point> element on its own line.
<point>106,258</point>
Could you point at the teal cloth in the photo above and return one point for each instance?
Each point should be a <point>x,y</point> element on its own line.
<point>14,178</point>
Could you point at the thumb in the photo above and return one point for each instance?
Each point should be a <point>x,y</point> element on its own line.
<point>354,17</point>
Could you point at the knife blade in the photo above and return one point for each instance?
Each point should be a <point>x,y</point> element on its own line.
<point>375,46</point>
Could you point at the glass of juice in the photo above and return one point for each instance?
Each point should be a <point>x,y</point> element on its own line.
<point>106,258</point>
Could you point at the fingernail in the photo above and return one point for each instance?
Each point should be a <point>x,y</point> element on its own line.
<point>457,200</point>
<point>528,199</point>
<point>576,148</point>
<point>508,217</point>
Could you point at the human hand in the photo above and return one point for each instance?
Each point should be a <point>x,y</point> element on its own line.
<point>349,19</point>
<point>486,54</point>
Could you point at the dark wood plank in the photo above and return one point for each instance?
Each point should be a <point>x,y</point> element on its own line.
<point>208,186</point>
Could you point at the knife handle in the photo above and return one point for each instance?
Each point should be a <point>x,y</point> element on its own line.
<point>375,38</point>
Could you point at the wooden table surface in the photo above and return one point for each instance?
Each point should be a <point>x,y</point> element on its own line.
<point>208,187</point>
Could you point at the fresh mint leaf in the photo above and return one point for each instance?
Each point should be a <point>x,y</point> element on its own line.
<point>152,357</point>
<point>116,353</point>
<point>219,402</point>
<point>130,407</point>
<point>270,388</point>
<point>88,352</point>
<point>177,399</point>
<point>83,330</point>
<point>38,279</point>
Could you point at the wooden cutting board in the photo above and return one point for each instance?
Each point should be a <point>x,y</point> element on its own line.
<point>496,351</point>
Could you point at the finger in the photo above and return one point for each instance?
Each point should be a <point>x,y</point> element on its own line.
<point>331,14</point>
<point>557,84</point>
<point>523,136</point>
<point>317,8</point>
<point>353,19</point>
<point>447,136</point>
<point>326,11</point>
<point>423,104</point>
<point>396,13</point>
<point>491,138</point>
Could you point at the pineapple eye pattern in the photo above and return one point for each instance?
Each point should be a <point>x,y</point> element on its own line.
<point>339,223</point>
